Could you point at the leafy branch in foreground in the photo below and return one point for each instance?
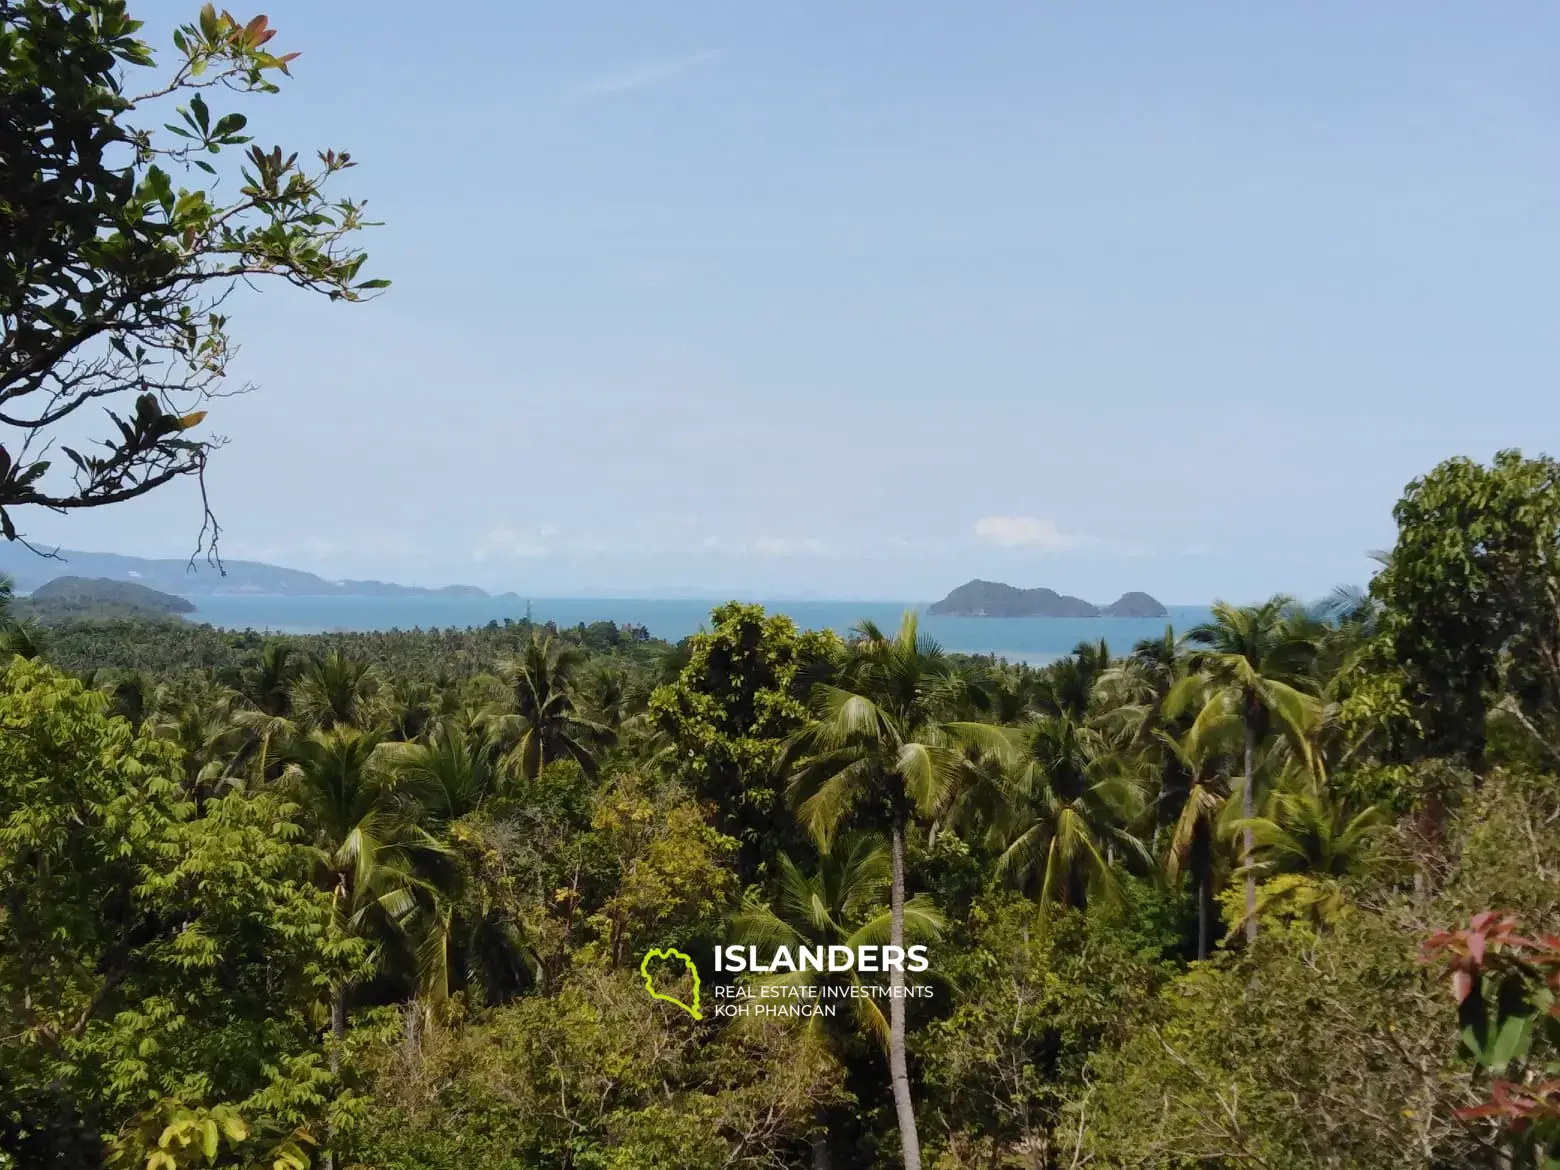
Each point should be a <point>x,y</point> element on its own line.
<point>1507,988</point>
<point>115,275</point>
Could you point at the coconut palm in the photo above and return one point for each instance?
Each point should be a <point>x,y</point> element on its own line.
<point>267,685</point>
<point>876,752</point>
<point>201,721</point>
<point>334,691</point>
<point>1068,806</point>
<point>417,708</point>
<point>1251,668</point>
<point>1303,830</point>
<point>132,696</point>
<point>363,829</point>
<point>471,939</point>
<point>369,851</point>
<point>21,639</point>
<point>1307,844</point>
<point>839,904</point>
<point>1067,685</point>
<point>544,721</point>
<point>1194,835</point>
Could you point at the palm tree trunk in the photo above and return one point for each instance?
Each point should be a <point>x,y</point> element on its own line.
<point>898,1070</point>
<point>338,1037</point>
<point>1248,844</point>
<point>1202,917</point>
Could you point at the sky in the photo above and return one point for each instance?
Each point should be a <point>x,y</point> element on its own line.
<point>866,300</point>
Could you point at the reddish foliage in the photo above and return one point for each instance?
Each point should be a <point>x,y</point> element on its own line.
<point>1492,945</point>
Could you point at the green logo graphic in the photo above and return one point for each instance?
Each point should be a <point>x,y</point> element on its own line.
<point>670,953</point>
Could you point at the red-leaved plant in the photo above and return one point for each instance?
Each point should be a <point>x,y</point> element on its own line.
<point>1507,988</point>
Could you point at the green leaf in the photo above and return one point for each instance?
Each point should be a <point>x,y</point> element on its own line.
<point>209,1138</point>
<point>1514,1027</point>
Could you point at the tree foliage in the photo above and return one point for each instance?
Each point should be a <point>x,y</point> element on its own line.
<point>379,900</point>
<point>131,209</point>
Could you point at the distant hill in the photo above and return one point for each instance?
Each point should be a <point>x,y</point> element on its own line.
<point>29,571</point>
<point>1134,605</point>
<point>85,590</point>
<point>994,599</point>
<point>81,597</point>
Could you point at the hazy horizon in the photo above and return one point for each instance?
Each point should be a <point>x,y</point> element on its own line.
<point>688,592</point>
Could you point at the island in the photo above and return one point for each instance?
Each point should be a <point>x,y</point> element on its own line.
<point>89,597</point>
<point>1134,605</point>
<point>994,599</point>
<point>28,572</point>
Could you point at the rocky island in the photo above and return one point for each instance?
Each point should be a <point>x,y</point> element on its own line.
<point>1134,605</point>
<point>994,599</point>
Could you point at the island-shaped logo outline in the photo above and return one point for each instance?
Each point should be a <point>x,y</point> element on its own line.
<point>671,953</point>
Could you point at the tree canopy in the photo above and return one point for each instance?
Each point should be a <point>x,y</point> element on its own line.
<point>132,208</point>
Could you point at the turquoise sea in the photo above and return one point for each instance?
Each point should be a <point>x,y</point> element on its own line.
<point>1034,640</point>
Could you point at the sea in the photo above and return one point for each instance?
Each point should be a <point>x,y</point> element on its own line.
<point>1032,640</point>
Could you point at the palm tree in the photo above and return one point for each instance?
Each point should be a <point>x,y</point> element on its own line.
<point>1194,835</point>
<point>545,722</point>
<point>1249,666</point>
<point>267,685</point>
<point>334,691</point>
<point>450,778</point>
<point>201,721</point>
<point>18,639</point>
<point>840,904</point>
<point>21,639</point>
<point>1305,831</point>
<point>369,848</point>
<point>1065,816</point>
<point>1306,845</point>
<point>875,750</point>
<point>1067,685</point>
<point>132,696</point>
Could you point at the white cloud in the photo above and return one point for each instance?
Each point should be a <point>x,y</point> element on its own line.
<point>1026,531</point>
<point>652,73</point>
<point>509,543</point>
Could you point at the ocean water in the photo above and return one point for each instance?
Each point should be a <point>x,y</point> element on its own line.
<point>1033,640</point>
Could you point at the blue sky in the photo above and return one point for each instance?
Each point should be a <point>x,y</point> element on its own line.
<point>864,300</point>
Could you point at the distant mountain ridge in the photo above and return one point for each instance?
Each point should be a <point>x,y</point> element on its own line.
<point>29,571</point>
<point>979,598</point>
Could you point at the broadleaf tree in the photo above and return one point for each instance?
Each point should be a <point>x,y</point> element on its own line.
<point>127,224</point>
